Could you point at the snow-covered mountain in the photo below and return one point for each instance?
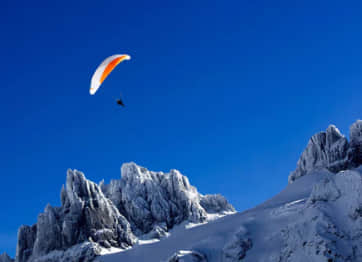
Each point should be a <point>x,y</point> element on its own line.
<point>316,218</point>
<point>155,216</point>
<point>93,218</point>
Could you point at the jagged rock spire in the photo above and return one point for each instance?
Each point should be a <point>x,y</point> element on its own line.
<point>149,198</point>
<point>330,150</point>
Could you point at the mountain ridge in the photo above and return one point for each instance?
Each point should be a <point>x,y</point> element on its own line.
<point>317,217</point>
<point>93,218</point>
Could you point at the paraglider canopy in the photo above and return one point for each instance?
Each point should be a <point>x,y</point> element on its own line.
<point>104,69</point>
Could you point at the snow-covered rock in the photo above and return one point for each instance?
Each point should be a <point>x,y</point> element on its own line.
<point>158,231</point>
<point>317,218</point>
<point>95,217</point>
<point>84,204</point>
<point>85,215</point>
<point>215,204</point>
<point>85,252</point>
<point>330,150</point>
<point>187,256</point>
<point>329,227</point>
<point>149,198</point>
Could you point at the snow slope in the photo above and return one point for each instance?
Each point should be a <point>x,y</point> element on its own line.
<point>298,224</point>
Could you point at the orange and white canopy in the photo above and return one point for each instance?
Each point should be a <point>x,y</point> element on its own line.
<point>104,69</point>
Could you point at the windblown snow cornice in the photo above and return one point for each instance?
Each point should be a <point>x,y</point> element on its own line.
<point>331,150</point>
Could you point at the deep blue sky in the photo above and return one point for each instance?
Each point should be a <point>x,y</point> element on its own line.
<point>228,92</point>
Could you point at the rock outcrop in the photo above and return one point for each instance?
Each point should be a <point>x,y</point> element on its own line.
<point>187,256</point>
<point>332,151</point>
<point>215,204</point>
<point>85,252</point>
<point>356,143</point>
<point>322,222</point>
<point>26,240</point>
<point>151,198</point>
<point>92,217</point>
<point>85,215</point>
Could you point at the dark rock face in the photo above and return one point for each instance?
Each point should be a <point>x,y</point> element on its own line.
<point>94,216</point>
<point>26,240</point>
<point>5,258</point>
<point>331,150</point>
<point>88,214</point>
<point>356,143</point>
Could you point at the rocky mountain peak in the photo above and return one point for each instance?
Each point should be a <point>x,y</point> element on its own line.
<point>149,199</point>
<point>333,135</point>
<point>330,150</point>
<point>132,171</point>
<point>93,216</point>
<point>85,215</point>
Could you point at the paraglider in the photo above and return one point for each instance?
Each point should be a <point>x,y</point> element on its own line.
<point>120,102</point>
<point>104,69</point>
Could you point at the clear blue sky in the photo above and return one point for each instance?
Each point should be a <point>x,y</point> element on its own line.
<point>228,92</point>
